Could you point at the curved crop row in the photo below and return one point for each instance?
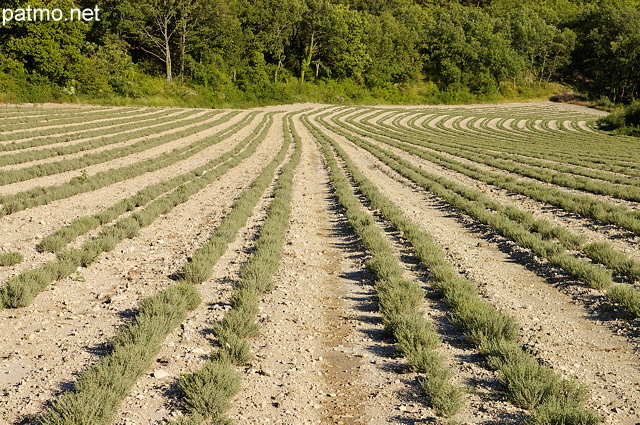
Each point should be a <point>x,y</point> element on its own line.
<point>479,129</point>
<point>600,252</point>
<point>579,204</point>
<point>534,150</point>
<point>188,127</point>
<point>510,151</point>
<point>206,393</point>
<point>70,119</point>
<point>20,290</point>
<point>95,131</point>
<point>22,151</point>
<point>82,184</point>
<point>588,152</point>
<point>21,113</point>
<point>530,385</point>
<point>101,388</point>
<point>625,188</point>
<point>511,223</point>
<point>32,134</point>
<point>399,299</point>
<point>590,181</point>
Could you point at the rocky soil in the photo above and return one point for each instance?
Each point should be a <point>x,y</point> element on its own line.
<point>322,356</point>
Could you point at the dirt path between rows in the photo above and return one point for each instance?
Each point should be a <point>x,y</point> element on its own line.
<point>24,229</point>
<point>559,330</point>
<point>168,146</point>
<point>323,356</point>
<point>593,230</point>
<point>154,396</point>
<point>67,326</point>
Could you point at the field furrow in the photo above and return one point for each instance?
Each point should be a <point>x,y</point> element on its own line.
<point>72,121</point>
<point>109,291</point>
<point>25,229</point>
<point>593,230</point>
<point>520,291</point>
<point>477,158</point>
<point>316,264</point>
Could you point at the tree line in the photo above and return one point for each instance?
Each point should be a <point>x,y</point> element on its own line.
<point>256,49</point>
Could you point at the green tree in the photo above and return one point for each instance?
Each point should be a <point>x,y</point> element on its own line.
<point>52,49</point>
<point>190,14</point>
<point>607,58</point>
<point>108,68</point>
<point>217,47</point>
<point>466,47</point>
<point>273,24</point>
<point>152,24</point>
<point>339,41</point>
<point>393,40</point>
<point>543,47</point>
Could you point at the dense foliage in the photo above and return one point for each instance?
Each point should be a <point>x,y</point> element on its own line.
<point>625,120</point>
<point>250,51</point>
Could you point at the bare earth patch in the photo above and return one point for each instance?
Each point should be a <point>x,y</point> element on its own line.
<point>322,356</point>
